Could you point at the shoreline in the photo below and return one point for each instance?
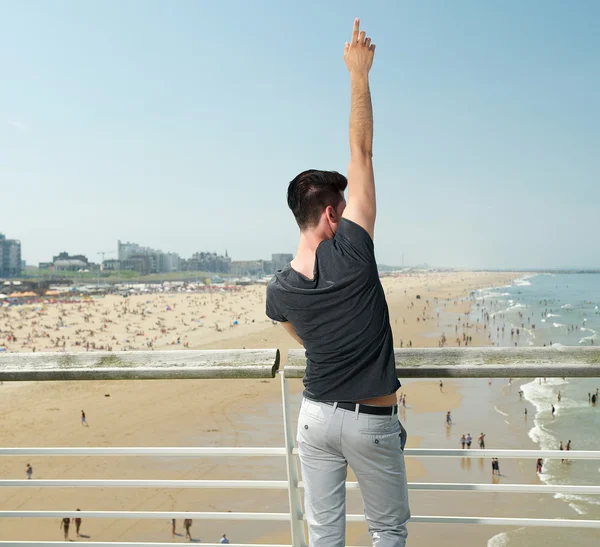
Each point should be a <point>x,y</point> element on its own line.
<point>219,412</point>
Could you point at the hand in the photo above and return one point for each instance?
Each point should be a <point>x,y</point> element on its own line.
<point>403,436</point>
<point>358,54</point>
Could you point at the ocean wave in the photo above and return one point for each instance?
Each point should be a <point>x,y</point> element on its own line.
<point>512,307</point>
<point>573,498</point>
<point>566,306</point>
<point>588,338</point>
<point>542,396</point>
<point>577,510</point>
<point>524,281</point>
<point>557,325</point>
<point>553,315</point>
<point>499,411</point>
<point>499,540</point>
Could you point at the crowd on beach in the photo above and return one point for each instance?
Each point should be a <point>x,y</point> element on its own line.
<point>125,323</point>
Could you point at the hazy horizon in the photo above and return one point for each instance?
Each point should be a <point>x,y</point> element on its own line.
<point>179,125</point>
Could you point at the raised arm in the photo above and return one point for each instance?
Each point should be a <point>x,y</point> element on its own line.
<point>361,207</point>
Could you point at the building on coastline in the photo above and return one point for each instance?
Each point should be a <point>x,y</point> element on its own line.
<point>144,260</point>
<point>10,257</point>
<point>207,262</point>
<point>112,265</point>
<point>248,268</point>
<point>64,262</point>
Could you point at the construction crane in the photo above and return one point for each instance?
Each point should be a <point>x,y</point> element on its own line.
<point>103,253</point>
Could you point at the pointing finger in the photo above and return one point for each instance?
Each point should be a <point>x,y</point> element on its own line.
<point>355,30</point>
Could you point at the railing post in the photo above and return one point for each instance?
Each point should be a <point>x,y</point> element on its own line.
<point>296,512</point>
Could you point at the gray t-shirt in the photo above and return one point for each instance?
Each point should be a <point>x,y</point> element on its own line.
<point>342,318</point>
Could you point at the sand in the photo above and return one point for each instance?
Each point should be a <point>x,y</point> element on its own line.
<point>214,412</point>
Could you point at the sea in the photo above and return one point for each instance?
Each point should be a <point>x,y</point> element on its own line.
<point>544,310</point>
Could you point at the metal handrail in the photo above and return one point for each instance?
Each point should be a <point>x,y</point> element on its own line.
<point>185,451</point>
<point>283,485</point>
<point>557,361</point>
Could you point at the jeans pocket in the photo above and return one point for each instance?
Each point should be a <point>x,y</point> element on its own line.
<point>310,424</point>
<point>391,436</point>
<point>313,412</point>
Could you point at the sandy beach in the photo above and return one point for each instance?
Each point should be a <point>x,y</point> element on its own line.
<point>241,412</point>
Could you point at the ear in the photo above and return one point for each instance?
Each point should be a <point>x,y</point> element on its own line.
<point>331,214</point>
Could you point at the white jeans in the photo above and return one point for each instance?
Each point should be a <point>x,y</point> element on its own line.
<point>330,439</point>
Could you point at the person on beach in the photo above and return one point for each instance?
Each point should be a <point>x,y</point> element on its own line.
<point>448,418</point>
<point>441,386</point>
<point>224,539</point>
<point>560,447</point>
<point>558,397</point>
<point>331,301</point>
<point>481,440</point>
<point>538,466</point>
<point>65,525</point>
<point>173,527</point>
<point>463,441</point>
<point>553,410</point>
<point>77,524</point>
<point>469,440</point>
<point>83,420</point>
<point>495,467</point>
<point>29,471</point>
<point>187,524</point>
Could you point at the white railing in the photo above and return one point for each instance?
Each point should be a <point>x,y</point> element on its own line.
<point>438,363</point>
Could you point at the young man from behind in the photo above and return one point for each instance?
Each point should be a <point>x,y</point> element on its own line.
<point>330,299</point>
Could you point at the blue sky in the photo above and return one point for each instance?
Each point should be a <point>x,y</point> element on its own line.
<point>178,125</point>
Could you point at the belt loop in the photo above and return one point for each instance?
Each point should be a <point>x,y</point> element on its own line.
<point>392,412</point>
<point>357,410</point>
<point>334,407</point>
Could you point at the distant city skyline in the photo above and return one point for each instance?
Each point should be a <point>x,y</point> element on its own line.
<point>180,124</point>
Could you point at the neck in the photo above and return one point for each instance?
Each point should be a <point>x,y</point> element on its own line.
<point>309,241</point>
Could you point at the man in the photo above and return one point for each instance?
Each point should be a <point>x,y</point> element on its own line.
<point>65,524</point>
<point>77,524</point>
<point>187,524</point>
<point>330,299</point>
<point>224,539</point>
<point>481,440</point>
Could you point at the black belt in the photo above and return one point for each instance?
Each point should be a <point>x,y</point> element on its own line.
<point>367,409</point>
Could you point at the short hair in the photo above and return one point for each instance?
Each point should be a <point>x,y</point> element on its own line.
<point>311,192</point>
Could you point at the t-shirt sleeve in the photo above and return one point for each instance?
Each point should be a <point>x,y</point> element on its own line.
<point>355,241</point>
<point>274,305</point>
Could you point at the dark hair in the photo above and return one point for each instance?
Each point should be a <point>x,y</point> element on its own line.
<point>311,192</point>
